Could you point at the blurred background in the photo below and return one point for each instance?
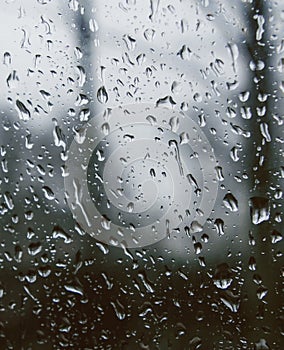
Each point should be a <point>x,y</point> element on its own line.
<point>221,64</point>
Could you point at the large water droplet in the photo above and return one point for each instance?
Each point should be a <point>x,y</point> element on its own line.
<point>7,58</point>
<point>74,289</point>
<point>23,112</point>
<point>102,95</point>
<point>149,34</point>
<point>48,193</point>
<point>276,236</point>
<point>58,232</point>
<point>219,225</point>
<point>12,80</point>
<point>223,276</point>
<point>34,248</point>
<point>259,209</point>
<point>130,42</point>
<point>230,202</point>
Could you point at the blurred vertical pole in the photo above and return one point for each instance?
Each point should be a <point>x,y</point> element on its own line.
<point>260,94</point>
<point>87,41</point>
<point>264,159</point>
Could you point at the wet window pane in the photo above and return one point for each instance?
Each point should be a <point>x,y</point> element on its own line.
<point>141,174</point>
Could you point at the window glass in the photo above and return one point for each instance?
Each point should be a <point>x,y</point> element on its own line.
<point>141,174</point>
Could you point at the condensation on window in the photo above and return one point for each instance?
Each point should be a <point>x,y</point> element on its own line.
<point>141,198</point>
